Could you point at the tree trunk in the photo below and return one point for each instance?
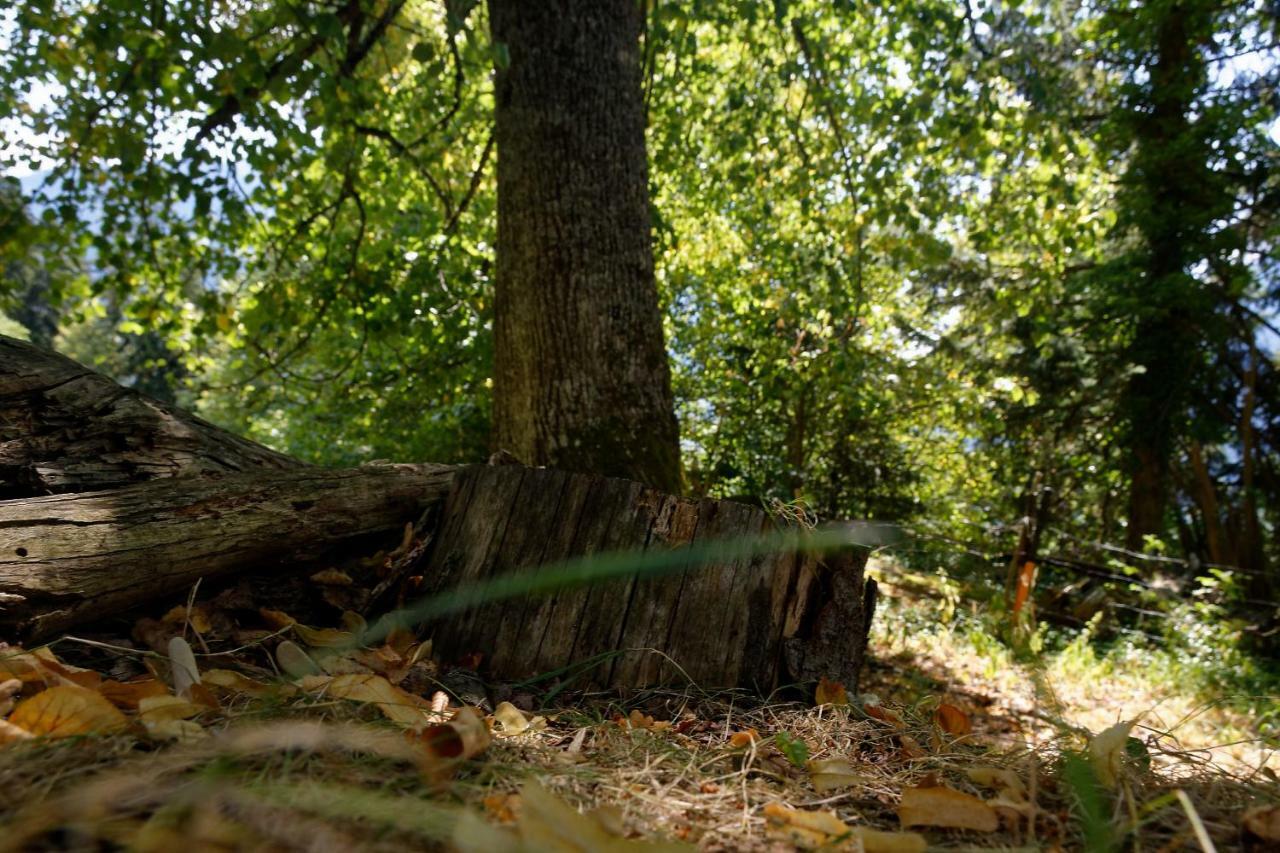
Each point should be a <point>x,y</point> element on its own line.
<point>1171,203</point>
<point>581,379</point>
<point>754,621</point>
<point>65,428</point>
<point>71,559</point>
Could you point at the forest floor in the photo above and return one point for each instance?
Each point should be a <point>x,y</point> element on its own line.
<point>951,744</point>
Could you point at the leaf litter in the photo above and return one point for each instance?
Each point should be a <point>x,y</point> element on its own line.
<point>270,732</point>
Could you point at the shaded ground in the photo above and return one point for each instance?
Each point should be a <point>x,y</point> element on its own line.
<point>265,759</point>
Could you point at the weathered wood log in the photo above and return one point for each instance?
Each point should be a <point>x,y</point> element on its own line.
<point>73,558</point>
<point>65,428</point>
<point>754,621</point>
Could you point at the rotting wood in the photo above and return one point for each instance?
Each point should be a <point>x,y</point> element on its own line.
<point>69,559</point>
<point>66,428</point>
<point>757,621</point>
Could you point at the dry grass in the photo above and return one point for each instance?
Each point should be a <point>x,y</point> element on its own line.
<point>307,772</point>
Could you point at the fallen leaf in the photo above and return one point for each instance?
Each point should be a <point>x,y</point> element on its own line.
<point>181,731</point>
<point>814,830</point>
<point>10,733</point>
<point>830,693</point>
<point>1107,752</point>
<point>911,747</point>
<point>1263,823</point>
<point>294,662</point>
<point>66,710</point>
<point>830,774</point>
<point>230,680</point>
<point>197,617</point>
<point>1000,779</point>
<point>276,618</point>
<point>158,708</point>
<point>182,660</point>
<point>741,740</point>
<point>127,694</point>
<point>331,577</point>
<point>946,807</point>
<point>396,704</point>
<point>879,712</point>
<point>952,720</point>
<point>548,823</point>
<point>463,737</point>
<point>504,808</point>
<point>324,638</point>
<point>514,721</point>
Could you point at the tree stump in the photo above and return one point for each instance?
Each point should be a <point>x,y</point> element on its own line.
<point>757,621</point>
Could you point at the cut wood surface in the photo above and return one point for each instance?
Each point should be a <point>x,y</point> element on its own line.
<point>66,428</point>
<point>68,559</point>
<point>755,621</point>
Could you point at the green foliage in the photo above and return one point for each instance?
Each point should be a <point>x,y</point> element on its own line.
<point>909,252</point>
<point>795,749</point>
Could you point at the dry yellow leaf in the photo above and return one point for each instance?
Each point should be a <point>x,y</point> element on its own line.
<point>197,618</point>
<point>1000,779</point>
<point>824,830</point>
<point>830,774</point>
<point>182,731</point>
<point>396,704</point>
<point>504,808</point>
<point>741,740</point>
<point>1106,752</point>
<point>230,680</point>
<point>946,807</point>
<point>158,708</point>
<point>65,710</point>
<point>10,733</point>
<point>324,638</point>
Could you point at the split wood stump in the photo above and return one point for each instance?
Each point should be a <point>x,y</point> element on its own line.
<point>754,621</point>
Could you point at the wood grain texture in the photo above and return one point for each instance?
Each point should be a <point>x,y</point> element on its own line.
<point>66,428</point>
<point>755,621</point>
<point>68,559</point>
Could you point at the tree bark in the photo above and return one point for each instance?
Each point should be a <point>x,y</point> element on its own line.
<point>581,379</point>
<point>74,558</point>
<point>755,621</point>
<point>65,428</point>
<point>1172,205</point>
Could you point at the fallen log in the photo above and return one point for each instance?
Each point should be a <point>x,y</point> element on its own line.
<point>66,428</point>
<point>74,558</point>
<point>192,501</point>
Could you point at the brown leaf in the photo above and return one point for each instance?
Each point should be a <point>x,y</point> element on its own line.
<point>65,710</point>
<point>830,693</point>
<point>946,807</point>
<point>463,737</point>
<point>504,808</point>
<point>824,830</point>
<point>1263,823</point>
<point>952,720</point>
<point>741,740</point>
<point>830,774</point>
<point>276,618</point>
<point>127,694</point>
<point>331,577</point>
<point>396,704</point>
<point>884,715</point>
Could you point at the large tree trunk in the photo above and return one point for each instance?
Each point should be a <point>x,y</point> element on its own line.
<point>581,379</point>
<point>75,558</point>
<point>754,621</point>
<point>1171,202</point>
<point>65,428</point>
